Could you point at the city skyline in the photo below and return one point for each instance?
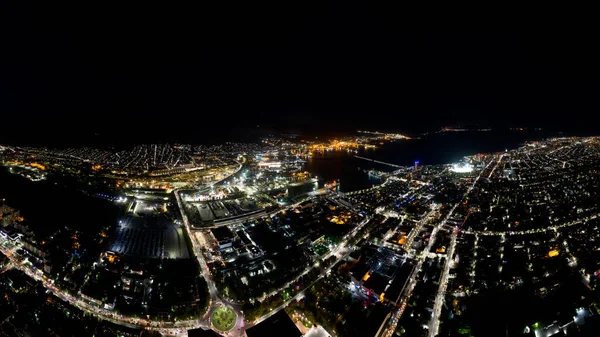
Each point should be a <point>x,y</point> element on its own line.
<point>310,169</point>
<point>264,239</point>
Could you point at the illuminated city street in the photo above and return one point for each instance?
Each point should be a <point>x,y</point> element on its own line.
<point>351,169</point>
<point>411,230</point>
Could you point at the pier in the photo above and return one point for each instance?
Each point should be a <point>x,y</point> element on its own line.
<point>379,162</point>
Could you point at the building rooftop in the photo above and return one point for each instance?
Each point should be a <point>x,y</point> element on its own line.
<point>277,325</point>
<point>376,282</point>
<point>317,331</point>
<point>222,233</point>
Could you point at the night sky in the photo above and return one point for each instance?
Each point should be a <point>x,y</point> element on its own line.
<point>70,71</point>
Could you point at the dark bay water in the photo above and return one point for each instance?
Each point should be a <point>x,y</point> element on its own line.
<point>49,206</point>
<point>431,150</point>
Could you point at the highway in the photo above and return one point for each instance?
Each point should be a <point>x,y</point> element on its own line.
<point>197,248</point>
<point>168,328</point>
<point>340,252</point>
<point>408,289</point>
<point>439,299</point>
<point>417,229</point>
<point>434,323</point>
<point>534,231</point>
<point>165,328</point>
<point>406,292</point>
<point>205,272</point>
<point>494,169</point>
<point>295,298</point>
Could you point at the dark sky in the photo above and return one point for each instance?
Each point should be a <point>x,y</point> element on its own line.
<point>139,70</point>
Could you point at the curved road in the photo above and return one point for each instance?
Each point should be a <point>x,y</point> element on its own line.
<point>178,328</point>
<point>168,328</point>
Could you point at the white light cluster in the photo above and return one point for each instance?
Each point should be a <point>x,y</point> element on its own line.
<point>462,168</point>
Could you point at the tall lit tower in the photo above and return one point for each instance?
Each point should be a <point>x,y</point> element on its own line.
<point>416,165</point>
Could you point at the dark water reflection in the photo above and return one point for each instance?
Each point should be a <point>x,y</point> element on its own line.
<point>431,150</point>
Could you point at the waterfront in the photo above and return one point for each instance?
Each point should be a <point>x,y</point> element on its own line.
<point>290,265</point>
<point>434,149</point>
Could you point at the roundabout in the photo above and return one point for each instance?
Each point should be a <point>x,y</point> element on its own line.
<point>223,318</point>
